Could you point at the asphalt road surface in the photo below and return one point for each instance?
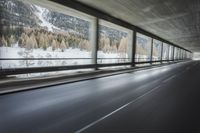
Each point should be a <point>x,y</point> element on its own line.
<point>158,100</point>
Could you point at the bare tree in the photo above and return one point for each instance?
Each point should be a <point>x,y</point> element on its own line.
<point>26,54</point>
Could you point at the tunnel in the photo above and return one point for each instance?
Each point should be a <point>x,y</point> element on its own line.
<point>99,66</point>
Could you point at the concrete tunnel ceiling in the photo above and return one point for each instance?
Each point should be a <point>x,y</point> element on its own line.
<point>177,21</point>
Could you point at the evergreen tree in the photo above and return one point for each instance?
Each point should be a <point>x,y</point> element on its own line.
<point>101,43</point>
<point>87,45</point>
<point>11,40</point>
<point>33,40</point>
<point>114,48</point>
<point>43,43</point>
<point>62,45</point>
<point>29,44</point>
<point>81,45</point>
<point>40,40</point>
<point>123,47</point>
<point>50,39</point>
<point>44,46</point>
<point>26,37</point>
<point>54,45</point>
<point>46,40</point>
<point>21,41</point>
<point>3,42</point>
<point>106,48</point>
<point>67,44</point>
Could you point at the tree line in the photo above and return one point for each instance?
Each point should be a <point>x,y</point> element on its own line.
<point>40,38</point>
<point>33,38</point>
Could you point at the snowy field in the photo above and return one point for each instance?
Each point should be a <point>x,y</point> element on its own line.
<point>70,56</point>
<point>17,52</point>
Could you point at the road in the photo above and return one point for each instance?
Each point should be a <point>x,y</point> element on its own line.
<point>158,100</point>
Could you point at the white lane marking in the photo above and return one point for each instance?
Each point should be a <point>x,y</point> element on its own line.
<point>115,111</point>
<point>168,79</point>
<point>157,87</point>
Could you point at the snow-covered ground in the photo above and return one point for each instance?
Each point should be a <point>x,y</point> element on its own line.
<point>17,52</point>
<point>140,58</point>
<point>104,58</point>
<point>72,54</point>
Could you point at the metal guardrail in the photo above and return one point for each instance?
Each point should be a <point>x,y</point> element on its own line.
<point>57,58</point>
<point>25,70</point>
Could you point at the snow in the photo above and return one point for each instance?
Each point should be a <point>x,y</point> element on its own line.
<point>105,58</point>
<point>16,52</point>
<point>40,12</point>
<point>69,54</point>
<point>140,58</point>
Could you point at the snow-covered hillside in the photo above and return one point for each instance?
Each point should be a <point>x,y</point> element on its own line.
<point>41,14</point>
